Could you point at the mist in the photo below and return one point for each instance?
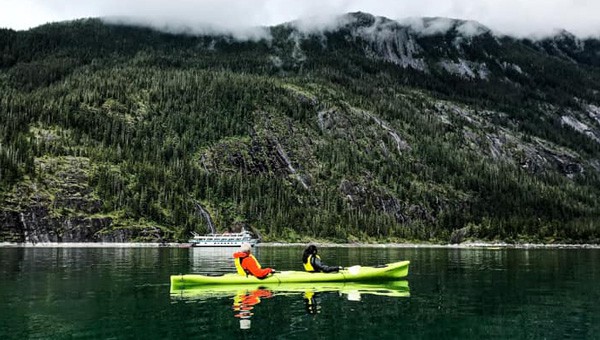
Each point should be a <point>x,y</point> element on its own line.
<point>245,19</point>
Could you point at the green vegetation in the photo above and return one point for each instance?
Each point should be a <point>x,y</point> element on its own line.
<point>335,145</point>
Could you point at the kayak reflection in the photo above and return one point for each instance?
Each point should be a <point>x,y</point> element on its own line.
<point>244,302</point>
<point>352,290</point>
<point>246,299</point>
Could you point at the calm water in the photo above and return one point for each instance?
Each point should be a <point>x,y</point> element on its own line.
<point>454,293</point>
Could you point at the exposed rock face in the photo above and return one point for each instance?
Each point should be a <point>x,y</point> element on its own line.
<point>466,69</point>
<point>258,156</point>
<point>389,41</point>
<point>361,197</point>
<point>60,207</point>
<point>534,155</point>
<point>458,236</point>
<point>11,229</point>
<point>36,226</point>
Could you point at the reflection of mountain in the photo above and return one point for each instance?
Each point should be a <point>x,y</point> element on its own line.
<point>352,290</point>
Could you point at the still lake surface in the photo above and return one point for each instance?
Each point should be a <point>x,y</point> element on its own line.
<point>453,293</point>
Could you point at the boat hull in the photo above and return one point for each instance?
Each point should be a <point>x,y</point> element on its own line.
<point>208,245</point>
<point>391,271</point>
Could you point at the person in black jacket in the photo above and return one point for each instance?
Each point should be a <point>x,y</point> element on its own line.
<point>312,262</point>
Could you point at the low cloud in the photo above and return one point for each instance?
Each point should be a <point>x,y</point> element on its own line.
<point>321,23</point>
<point>437,26</point>
<point>241,17</point>
<point>471,28</point>
<point>174,26</point>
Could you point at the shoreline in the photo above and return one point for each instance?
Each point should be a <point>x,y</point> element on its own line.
<point>466,245</point>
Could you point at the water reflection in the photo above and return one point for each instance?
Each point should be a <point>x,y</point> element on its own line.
<point>213,260</point>
<point>352,289</point>
<point>244,302</point>
<point>246,299</point>
<point>310,302</point>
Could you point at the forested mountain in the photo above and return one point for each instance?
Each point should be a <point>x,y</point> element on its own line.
<point>371,129</point>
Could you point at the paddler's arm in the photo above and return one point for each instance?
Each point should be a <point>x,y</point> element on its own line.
<point>254,267</point>
<point>320,267</point>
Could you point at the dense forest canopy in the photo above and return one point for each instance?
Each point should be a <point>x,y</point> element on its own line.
<point>371,131</point>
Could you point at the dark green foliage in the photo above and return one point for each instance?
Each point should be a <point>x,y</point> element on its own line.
<point>290,146</point>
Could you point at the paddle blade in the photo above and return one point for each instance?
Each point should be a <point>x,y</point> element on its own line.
<point>354,270</point>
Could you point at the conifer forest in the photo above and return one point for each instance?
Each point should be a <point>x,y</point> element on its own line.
<point>369,132</point>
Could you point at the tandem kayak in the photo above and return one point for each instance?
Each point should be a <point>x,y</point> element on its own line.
<point>388,272</point>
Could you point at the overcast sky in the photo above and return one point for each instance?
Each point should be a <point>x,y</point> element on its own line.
<point>513,17</point>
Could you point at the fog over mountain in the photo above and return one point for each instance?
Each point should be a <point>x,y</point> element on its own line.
<point>519,18</point>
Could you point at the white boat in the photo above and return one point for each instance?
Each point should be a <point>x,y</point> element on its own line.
<point>223,240</point>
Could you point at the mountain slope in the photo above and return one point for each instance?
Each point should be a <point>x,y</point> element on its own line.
<point>433,129</point>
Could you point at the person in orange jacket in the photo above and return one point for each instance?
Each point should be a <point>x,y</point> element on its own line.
<point>246,264</point>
